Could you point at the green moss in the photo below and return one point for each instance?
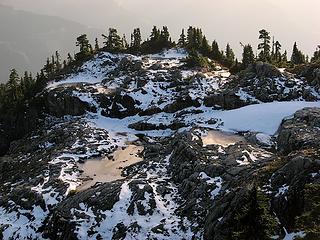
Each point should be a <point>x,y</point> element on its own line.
<point>310,219</point>
<point>254,220</point>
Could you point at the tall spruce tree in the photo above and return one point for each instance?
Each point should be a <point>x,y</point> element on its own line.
<point>247,56</point>
<point>264,46</point>
<point>113,41</point>
<point>205,48</point>
<point>58,61</point>
<point>85,47</point>
<point>182,40</point>
<point>277,53</point>
<point>96,45</point>
<point>297,56</point>
<point>216,54</point>
<point>229,55</point>
<point>316,55</point>
<point>165,40</point>
<point>13,85</point>
<point>135,45</point>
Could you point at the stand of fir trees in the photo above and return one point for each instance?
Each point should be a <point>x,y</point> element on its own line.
<point>201,53</point>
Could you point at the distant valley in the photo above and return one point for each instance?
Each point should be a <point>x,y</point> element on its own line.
<point>27,39</point>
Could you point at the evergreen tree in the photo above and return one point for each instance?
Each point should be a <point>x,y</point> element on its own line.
<point>284,57</point>
<point>135,46</point>
<point>158,40</point>
<point>191,43</point>
<point>125,42</point>
<point>264,46</point>
<point>85,47</point>
<point>113,41</point>
<point>96,45</point>
<point>216,54</point>
<point>69,59</point>
<point>13,86</point>
<point>27,84</point>
<point>48,68</point>
<point>277,53</point>
<point>155,34</point>
<point>58,61</point>
<point>297,56</point>
<point>194,59</point>
<point>316,55</point>
<point>205,48</point>
<point>182,40</point>
<point>247,56</point>
<point>229,55</point>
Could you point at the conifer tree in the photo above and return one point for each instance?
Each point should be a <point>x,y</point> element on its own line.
<point>113,41</point>
<point>277,53</point>
<point>216,54</point>
<point>58,61</point>
<point>13,85</point>
<point>316,55</point>
<point>205,48</point>
<point>182,40</point>
<point>48,68</point>
<point>229,55</point>
<point>136,40</point>
<point>247,56</point>
<point>284,57</point>
<point>165,40</point>
<point>264,46</point>
<point>85,47</point>
<point>297,56</point>
<point>191,43</point>
<point>69,59</point>
<point>125,44</point>
<point>96,45</point>
<point>155,34</point>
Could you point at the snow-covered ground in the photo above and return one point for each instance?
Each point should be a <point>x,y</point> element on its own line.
<point>264,118</point>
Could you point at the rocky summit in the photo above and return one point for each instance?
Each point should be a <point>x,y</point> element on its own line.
<point>144,147</point>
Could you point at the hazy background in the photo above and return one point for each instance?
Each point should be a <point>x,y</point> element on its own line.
<point>226,21</point>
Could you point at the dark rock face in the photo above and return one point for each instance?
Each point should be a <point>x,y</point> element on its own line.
<point>128,64</point>
<point>16,124</point>
<point>226,100</point>
<point>262,82</point>
<point>291,137</point>
<point>182,188</point>
<point>299,140</point>
<point>181,103</point>
<point>60,225</point>
<point>123,106</point>
<point>61,103</point>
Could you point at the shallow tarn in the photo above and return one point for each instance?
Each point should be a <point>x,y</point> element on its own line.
<point>108,170</point>
<point>225,139</point>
